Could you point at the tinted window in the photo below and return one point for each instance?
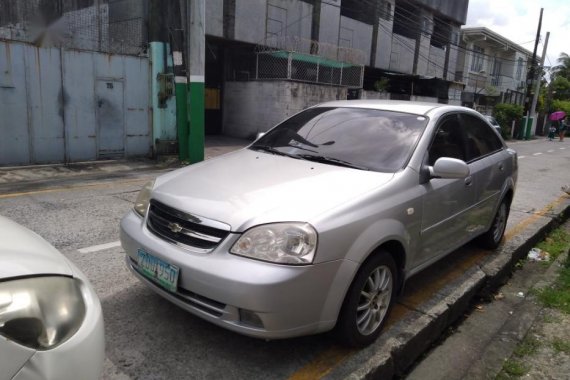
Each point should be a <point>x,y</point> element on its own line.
<point>481,139</point>
<point>448,140</point>
<point>367,138</point>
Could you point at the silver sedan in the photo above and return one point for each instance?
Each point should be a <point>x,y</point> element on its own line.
<point>319,222</point>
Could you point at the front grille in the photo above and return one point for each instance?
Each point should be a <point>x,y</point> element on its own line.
<point>185,229</point>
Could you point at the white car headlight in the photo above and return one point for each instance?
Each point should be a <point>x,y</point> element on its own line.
<point>283,243</point>
<point>143,199</point>
<point>41,312</point>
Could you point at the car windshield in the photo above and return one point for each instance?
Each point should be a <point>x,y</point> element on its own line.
<point>360,138</point>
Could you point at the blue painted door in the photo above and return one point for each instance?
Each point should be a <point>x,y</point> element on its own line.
<point>110,118</point>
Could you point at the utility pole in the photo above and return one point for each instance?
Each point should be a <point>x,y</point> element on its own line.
<point>196,46</point>
<point>375,27</point>
<point>537,87</point>
<point>529,81</point>
<point>177,39</point>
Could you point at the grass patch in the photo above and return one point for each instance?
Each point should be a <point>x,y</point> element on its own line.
<point>560,345</point>
<point>558,295</point>
<point>527,347</point>
<point>550,319</point>
<point>556,243</point>
<point>514,368</point>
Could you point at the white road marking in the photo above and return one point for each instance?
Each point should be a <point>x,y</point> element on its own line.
<point>537,154</point>
<point>562,148</point>
<point>100,247</point>
<point>550,151</point>
<point>521,157</point>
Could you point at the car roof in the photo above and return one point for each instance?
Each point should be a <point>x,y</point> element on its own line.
<point>419,108</point>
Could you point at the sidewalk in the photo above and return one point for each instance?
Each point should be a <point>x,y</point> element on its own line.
<point>214,146</point>
<point>513,334</point>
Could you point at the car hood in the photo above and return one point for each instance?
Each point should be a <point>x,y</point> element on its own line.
<point>247,188</point>
<point>24,253</point>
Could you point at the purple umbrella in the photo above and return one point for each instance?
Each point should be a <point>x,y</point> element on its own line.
<point>558,115</point>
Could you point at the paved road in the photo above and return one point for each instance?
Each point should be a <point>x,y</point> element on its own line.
<point>148,338</point>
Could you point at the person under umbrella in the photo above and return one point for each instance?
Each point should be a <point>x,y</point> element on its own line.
<point>562,127</point>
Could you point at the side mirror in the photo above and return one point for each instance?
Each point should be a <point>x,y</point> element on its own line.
<point>447,167</point>
<point>259,135</point>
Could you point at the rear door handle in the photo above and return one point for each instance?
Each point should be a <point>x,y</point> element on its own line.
<point>468,181</point>
<point>502,167</point>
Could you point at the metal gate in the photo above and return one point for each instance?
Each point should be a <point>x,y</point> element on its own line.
<point>59,105</point>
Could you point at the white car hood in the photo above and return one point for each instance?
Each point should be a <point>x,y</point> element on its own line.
<point>247,188</point>
<point>24,253</point>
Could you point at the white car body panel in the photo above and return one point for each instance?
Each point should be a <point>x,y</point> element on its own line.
<point>24,254</point>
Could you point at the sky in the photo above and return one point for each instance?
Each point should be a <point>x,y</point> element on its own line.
<point>517,20</point>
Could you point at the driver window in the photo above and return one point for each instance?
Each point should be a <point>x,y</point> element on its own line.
<point>448,141</point>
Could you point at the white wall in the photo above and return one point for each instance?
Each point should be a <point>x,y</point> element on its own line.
<point>355,34</point>
<point>402,55</point>
<point>330,21</point>
<point>257,18</point>
<point>436,62</point>
<point>215,18</point>
<point>252,107</point>
<point>384,42</point>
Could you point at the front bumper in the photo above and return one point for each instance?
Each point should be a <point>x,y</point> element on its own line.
<point>225,289</point>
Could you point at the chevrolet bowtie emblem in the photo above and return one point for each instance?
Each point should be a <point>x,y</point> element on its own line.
<point>175,227</point>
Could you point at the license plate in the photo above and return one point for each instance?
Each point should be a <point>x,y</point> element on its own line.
<point>159,271</point>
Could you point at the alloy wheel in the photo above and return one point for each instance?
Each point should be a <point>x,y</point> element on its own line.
<point>500,222</point>
<point>374,300</point>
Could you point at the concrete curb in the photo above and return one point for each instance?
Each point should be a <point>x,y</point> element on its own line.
<point>402,344</point>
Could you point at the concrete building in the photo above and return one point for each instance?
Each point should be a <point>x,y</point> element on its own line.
<point>493,69</point>
<point>268,59</point>
<point>264,61</point>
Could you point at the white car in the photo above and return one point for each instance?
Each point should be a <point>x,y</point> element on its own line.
<point>51,323</point>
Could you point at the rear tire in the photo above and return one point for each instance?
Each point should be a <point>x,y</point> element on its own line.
<point>492,238</point>
<point>368,301</point>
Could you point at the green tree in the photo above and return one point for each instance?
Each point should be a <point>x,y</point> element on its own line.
<point>560,88</point>
<point>561,105</point>
<point>505,114</point>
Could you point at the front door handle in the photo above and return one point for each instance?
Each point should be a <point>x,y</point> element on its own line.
<point>468,181</point>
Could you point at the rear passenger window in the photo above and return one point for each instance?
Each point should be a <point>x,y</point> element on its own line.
<point>480,138</point>
<point>448,141</point>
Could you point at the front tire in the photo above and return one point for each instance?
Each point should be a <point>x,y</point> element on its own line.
<point>492,238</point>
<point>368,301</point>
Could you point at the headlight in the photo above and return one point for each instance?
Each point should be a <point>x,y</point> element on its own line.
<point>284,243</point>
<point>40,312</point>
<point>141,204</point>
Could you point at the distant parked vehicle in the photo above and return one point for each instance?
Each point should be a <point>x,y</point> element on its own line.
<point>318,223</point>
<point>51,324</point>
<point>493,122</point>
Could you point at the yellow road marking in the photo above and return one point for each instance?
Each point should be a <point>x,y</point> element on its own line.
<point>533,218</point>
<point>330,358</point>
<point>80,187</point>
<point>323,363</point>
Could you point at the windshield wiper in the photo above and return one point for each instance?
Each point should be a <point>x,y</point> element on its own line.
<point>332,161</point>
<point>272,150</point>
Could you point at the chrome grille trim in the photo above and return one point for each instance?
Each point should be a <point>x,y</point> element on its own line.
<point>185,230</point>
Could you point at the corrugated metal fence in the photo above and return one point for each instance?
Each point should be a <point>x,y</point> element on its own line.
<point>60,105</point>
